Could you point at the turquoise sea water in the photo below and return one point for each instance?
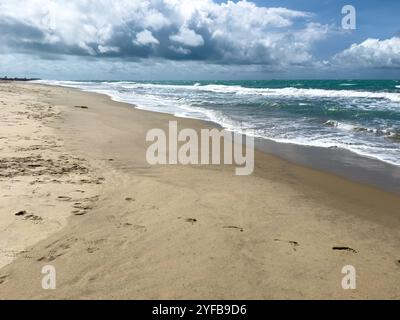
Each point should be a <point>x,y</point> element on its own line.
<point>362,116</point>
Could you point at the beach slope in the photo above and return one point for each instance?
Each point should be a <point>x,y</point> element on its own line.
<point>77,194</point>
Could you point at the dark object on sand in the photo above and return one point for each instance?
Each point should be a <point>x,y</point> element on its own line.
<point>191,220</point>
<point>82,107</point>
<point>345,248</point>
<point>18,79</point>
<point>27,216</point>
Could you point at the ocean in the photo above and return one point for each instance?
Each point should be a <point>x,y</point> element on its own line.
<point>362,116</point>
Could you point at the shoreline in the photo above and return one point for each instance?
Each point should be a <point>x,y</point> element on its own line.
<point>199,232</point>
<point>175,112</point>
<point>337,161</point>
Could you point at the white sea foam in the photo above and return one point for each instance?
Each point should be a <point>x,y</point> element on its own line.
<point>217,88</point>
<point>301,93</point>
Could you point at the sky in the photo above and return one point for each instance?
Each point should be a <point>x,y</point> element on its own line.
<point>199,39</point>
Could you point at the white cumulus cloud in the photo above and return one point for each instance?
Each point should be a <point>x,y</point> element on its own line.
<point>188,37</point>
<point>373,53</point>
<point>145,38</point>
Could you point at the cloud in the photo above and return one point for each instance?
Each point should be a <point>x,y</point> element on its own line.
<point>145,38</point>
<point>106,49</point>
<point>199,30</point>
<point>187,37</point>
<point>180,50</point>
<point>371,53</point>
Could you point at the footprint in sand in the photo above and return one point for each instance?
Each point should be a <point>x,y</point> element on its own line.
<point>79,212</point>
<point>140,228</point>
<point>124,225</point>
<point>82,206</point>
<point>59,249</point>
<point>234,227</point>
<point>64,198</point>
<point>92,249</point>
<point>34,218</point>
<point>149,207</point>
<point>294,244</point>
<point>50,257</point>
<point>3,278</point>
<point>190,220</point>
<point>344,249</point>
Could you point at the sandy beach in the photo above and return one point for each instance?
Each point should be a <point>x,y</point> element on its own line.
<point>77,193</point>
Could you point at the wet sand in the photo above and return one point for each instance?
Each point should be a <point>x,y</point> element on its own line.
<point>135,231</point>
<point>340,162</point>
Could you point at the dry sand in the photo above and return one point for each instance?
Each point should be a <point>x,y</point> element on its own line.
<point>114,227</point>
